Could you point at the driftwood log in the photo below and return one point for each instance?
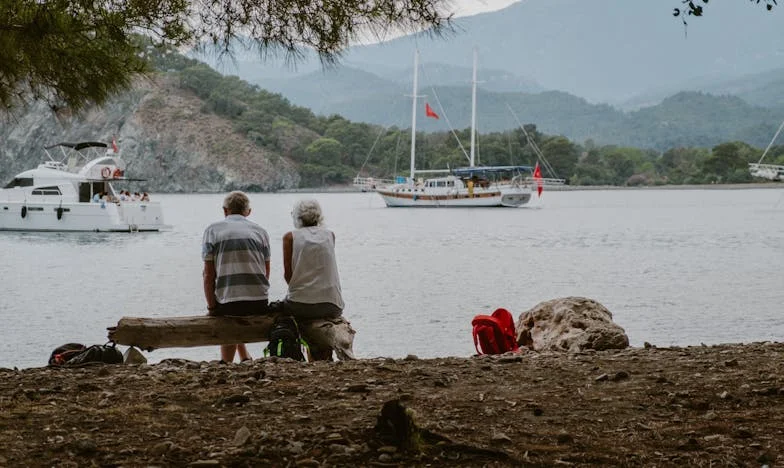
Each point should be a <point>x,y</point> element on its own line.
<point>185,332</point>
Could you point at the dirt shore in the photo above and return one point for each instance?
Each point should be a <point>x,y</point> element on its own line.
<point>695,406</point>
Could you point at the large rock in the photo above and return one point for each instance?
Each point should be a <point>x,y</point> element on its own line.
<point>570,324</point>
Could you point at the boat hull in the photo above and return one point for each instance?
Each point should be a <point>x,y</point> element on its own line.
<point>81,217</point>
<point>401,197</point>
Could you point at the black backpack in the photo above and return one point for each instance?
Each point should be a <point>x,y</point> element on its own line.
<point>285,340</point>
<point>62,354</point>
<point>74,354</point>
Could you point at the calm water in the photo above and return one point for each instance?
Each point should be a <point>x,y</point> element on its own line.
<point>676,267</point>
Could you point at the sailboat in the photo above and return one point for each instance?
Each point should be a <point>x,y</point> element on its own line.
<point>768,171</point>
<point>472,186</point>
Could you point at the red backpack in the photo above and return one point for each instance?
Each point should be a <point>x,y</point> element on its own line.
<point>494,334</point>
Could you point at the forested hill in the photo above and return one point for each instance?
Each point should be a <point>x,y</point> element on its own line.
<point>684,119</point>
<point>191,129</point>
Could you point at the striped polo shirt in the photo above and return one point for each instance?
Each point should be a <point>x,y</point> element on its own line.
<point>239,248</point>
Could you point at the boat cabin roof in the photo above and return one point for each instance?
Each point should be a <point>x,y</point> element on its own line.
<point>78,163</point>
<point>482,170</point>
<point>79,146</point>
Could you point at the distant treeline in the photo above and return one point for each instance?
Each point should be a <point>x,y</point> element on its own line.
<point>332,150</point>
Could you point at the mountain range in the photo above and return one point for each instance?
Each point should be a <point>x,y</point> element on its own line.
<point>609,51</point>
<point>616,72</point>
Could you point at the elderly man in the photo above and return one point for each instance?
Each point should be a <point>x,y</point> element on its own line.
<point>236,254</point>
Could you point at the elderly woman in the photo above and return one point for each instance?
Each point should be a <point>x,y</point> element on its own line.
<point>309,266</point>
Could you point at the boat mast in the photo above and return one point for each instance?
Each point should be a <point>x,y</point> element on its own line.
<point>473,111</point>
<point>414,113</point>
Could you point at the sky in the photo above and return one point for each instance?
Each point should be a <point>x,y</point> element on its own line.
<point>472,7</point>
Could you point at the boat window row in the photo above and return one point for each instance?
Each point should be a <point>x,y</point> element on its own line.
<point>20,182</point>
<point>47,191</point>
<point>440,183</point>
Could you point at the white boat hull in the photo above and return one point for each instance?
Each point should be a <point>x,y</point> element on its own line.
<point>93,217</point>
<point>404,196</point>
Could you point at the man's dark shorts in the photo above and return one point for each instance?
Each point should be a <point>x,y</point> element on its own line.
<point>241,308</point>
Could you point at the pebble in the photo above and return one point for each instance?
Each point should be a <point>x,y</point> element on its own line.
<point>199,463</point>
<point>620,375</point>
<point>510,359</point>
<point>161,448</point>
<point>235,399</point>
<point>242,436</point>
<point>357,388</point>
<point>307,462</point>
<point>85,446</point>
<point>296,448</point>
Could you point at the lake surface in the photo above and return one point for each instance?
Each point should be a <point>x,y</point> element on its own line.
<point>675,267</point>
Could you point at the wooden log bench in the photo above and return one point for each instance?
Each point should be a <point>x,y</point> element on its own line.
<point>322,335</point>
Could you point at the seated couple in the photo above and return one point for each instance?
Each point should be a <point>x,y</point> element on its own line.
<point>236,254</point>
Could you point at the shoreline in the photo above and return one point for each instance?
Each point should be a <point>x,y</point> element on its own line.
<point>675,406</point>
<point>570,188</point>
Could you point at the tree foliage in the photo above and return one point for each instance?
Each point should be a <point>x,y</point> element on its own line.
<point>696,8</point>
<point>71,53</point>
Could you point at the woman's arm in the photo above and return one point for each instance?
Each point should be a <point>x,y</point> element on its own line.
<point>288,245</point>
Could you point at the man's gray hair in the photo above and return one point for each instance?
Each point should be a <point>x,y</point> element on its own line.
<point>236,203</point>
<point>307,213</point>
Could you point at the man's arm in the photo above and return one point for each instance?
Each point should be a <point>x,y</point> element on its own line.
<point>209,285</point>
<point>288,244</point>
<point>267,268</point>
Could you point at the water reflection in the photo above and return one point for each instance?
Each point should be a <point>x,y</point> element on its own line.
<point>73,238</point>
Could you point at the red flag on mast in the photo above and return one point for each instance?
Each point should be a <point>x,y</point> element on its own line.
<point>430,112</point>
<point>538,179</point>
<point>114,146</point>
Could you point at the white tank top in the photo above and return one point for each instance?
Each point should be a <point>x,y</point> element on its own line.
<point>314,269</point>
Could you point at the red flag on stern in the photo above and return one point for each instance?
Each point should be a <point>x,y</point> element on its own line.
<point>538,179</point>
<point>430,112</point>
<point>114,146</point>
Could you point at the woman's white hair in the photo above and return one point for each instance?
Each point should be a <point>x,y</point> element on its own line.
<point>307,213</point>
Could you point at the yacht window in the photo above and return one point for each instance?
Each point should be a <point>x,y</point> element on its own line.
<point>47,191</point>
<point>20,182</point>
<point>451,183</point>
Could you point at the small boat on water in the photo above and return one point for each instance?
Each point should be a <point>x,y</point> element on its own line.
<point>773,172</point>
<point>76,193</point>
<point>472,186</point>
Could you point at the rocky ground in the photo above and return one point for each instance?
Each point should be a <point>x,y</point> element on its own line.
<point>695,406</point>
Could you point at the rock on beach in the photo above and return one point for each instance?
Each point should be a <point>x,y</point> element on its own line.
<point>570,324</point>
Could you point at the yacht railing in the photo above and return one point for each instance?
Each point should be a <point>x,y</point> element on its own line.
<point>367,184</point>
<point>546,181</point>
<point>767,171</point>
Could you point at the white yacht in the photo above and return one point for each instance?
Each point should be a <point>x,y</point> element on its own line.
<point>472,186</point>
<point>76,193</point>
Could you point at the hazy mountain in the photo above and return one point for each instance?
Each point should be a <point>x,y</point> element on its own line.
<point>764,89</point>
<point>686,118</point>
<point>603,51</point>
<point>607,51</point>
